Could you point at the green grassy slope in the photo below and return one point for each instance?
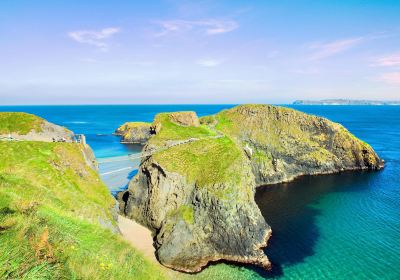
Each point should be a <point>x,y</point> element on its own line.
<point>172,131</point>
<point>20,123</point>
<point>52,207</point>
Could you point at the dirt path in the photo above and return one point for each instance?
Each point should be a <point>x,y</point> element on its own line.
<point>138,236</point>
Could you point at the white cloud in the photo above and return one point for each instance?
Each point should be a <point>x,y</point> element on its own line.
<point>391,60</point>
<point>209,62</point>
<point>328,49</point>
<point>94,38</point>
<point>207,26</point>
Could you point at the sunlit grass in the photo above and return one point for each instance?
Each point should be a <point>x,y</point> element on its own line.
<point>20,123</point>
<point>52,208</point>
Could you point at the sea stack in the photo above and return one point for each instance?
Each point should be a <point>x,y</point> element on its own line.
<point>195,189</point>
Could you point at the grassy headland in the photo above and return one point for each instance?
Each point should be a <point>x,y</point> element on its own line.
<point>55,218</point>
<point>20,123</point>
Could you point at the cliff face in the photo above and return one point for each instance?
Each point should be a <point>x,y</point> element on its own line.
<point>134,132</point>
<point>201,207</point>
<point>283,143</point>
<point>195,190</point>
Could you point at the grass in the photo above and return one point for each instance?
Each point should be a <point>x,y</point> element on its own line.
<point>185,212</point>
<point>21,123</point>
<point>204,162</point>
<point>172,131</point>
<point>53,208</point>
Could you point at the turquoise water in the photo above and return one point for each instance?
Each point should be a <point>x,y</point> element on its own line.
<point>344,226</point>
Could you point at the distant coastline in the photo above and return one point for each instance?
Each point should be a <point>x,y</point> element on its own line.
<point>345,102</point>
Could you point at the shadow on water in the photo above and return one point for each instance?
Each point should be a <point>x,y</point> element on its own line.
<point>129,177</point>
<point>288,209</point>
<point>125,187</point>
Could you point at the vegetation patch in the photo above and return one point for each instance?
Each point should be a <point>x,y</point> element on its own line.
<point>185,212</point>
<point>205,162</point>
<point>21,123</point>
<point>169,130</point>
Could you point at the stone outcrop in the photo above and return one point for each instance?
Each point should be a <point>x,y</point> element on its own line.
<point>185,118</point>
<point>134,132</point>
<point>194,224</point>
<point>198,197</point>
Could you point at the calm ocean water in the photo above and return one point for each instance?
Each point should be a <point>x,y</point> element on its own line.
<point>344,226</point>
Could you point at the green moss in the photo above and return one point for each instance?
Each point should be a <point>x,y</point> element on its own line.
<point>260,156</point>
<point>51,203</point>
<point>184,212</point>
<point>130,125</point>
<point>21,123</point>
<point>187,214</point>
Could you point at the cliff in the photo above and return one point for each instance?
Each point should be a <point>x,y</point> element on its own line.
<point>134,132</point>
<point>57,218</point>
<point>283,143</point>
<point>195,189</point>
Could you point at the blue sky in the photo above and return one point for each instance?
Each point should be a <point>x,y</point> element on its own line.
<point>167,51</point>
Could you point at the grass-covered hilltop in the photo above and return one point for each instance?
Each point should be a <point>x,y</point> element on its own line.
<point>57,219</point>
<point>196,184</point>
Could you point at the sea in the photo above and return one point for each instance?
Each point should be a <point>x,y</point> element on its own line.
<point>342,226</point>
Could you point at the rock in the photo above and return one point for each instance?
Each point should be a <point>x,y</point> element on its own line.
<point>134,132</point>
<point>197,196</point>
<point>89,156</point>
<point>185,118</point>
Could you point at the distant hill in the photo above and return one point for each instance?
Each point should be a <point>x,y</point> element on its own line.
<point>345,102</point>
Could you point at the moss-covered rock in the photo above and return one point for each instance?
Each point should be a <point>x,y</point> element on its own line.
<point>195,189</point>
<point>286,143</point>
<point>134,132</point>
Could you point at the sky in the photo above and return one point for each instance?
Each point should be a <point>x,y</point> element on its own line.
<point>223,52</point>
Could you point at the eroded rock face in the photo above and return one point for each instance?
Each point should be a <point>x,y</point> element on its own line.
<point>193,226</point>
<point>185,118</point>
<point>134,132</point>
<point>198,197</point>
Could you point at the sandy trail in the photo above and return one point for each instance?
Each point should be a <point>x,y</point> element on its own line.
<point>138,236</point>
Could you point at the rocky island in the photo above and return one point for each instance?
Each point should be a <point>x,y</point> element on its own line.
<point>346,102</point>
<point>134,132</point>
<point>196,182</point>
